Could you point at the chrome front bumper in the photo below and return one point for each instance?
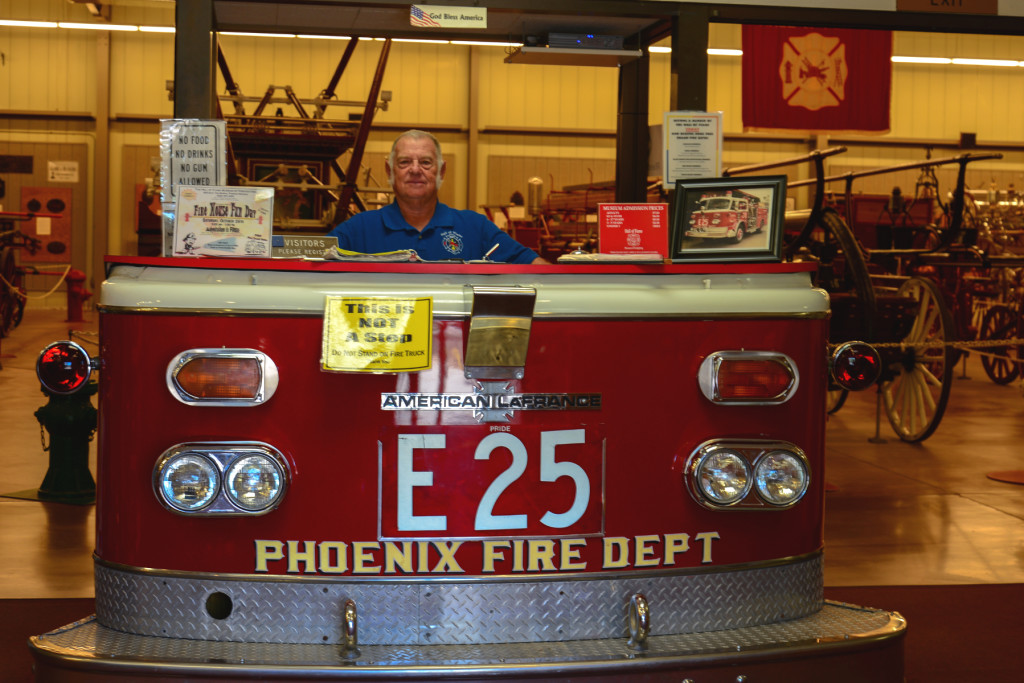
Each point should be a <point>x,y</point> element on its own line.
<point>832,641</point>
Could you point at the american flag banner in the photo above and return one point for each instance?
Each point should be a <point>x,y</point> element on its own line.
<point>419,17</point>
<point>816,78</point>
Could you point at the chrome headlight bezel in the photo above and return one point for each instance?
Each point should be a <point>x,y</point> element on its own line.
<point>172,463</point>
<point>754,453</point>
<point>223,456</point>
<point>708,470</point>
<point>764,460</point>
<point>231,475</point>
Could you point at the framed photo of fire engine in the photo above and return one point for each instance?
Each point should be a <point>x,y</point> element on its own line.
<point>728,219</point>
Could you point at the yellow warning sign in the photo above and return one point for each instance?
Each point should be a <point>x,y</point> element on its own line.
<point>363,334</point>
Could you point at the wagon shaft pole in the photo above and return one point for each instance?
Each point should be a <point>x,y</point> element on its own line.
<point>818,156</point>
<point>328,92</point>
<point>229,149</point>
<point>348,189</point>
<point>355,198</point>
<point>294,99</point>
<point>957,205</point>
<point>230,83</point>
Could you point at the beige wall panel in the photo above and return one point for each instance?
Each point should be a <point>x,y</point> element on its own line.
<point>47,69</point>
<point>429,83</point>
<point>501,88</point>
<point>552,146</point>
<point>544,96</point>
<point>509,174</point>
<point>140,66</point>
<point>725,79</point>
<point>659,94</point>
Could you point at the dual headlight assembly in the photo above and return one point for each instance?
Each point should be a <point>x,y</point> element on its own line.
<point>747,474</point>
<point>221,478</point>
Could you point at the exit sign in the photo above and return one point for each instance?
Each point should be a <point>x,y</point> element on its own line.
<point>949,6</point>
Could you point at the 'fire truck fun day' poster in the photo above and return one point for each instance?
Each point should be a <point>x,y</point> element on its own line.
<point>223,221</point>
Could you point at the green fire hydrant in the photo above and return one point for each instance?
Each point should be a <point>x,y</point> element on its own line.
<point>71,423</point>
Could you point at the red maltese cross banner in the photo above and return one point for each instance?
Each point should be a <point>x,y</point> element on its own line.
<point>816,78</point>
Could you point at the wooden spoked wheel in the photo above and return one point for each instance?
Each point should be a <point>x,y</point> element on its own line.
<point>834,400</point>
<point>11,304</point>
<point>844,271</point>
<point>916,396</point>
<point>1000,362</point>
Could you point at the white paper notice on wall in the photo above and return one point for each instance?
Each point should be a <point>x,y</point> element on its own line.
<point>62,171</point>
<point>42,226</point>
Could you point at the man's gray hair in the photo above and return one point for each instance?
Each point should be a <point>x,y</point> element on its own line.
<point>416,135</point>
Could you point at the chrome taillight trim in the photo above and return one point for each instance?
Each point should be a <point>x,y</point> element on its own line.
<point>223,454</point>
<point>707,377</point>
<point>753,451</point>
<point>268,377</point>
<point>92,366</point>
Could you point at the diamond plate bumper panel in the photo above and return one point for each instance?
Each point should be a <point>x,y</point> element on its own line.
<point>88,646</point>
<point>451,613</point>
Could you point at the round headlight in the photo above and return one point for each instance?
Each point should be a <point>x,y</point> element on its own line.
<point>254,482</point>
<point>781,478</point>
<point>723,477</point>
<point>189,481</point>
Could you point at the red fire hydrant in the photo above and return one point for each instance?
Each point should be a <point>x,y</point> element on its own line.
<point>71,421</point>
<point>77,294</point>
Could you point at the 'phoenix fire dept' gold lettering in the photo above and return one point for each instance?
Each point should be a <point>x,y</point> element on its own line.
<point>506,556</point>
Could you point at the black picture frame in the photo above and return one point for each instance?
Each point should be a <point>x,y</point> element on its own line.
<point>709,213</point>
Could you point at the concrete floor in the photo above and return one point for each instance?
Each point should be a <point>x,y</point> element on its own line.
<point>899,514</point>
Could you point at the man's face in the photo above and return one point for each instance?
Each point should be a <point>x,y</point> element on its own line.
<point>416,174</point>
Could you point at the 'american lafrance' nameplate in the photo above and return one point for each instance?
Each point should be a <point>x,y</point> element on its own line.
<point>482,402</point>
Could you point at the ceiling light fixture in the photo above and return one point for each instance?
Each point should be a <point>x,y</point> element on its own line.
<point>485,43</point>
<point>920,60</point>
<point>97,27</point>
<point>28,24</point>
<point>985,62</point>
<point>257,35</point>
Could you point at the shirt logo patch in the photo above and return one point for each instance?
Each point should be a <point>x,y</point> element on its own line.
<point>452,242</point>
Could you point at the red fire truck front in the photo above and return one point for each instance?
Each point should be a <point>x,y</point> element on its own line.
<point>314,470</point>
<point>732,215</point>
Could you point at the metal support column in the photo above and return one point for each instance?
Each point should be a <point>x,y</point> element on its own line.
<point>633,137</point>
<point>689,81</point>
<point>195,60</point>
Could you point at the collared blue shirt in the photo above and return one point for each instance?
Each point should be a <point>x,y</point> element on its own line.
<point>450,234</point>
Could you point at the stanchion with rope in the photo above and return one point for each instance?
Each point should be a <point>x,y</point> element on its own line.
<point>76,292</point>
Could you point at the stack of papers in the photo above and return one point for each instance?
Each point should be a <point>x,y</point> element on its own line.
<point>611,258</point>
<point>401,256</point>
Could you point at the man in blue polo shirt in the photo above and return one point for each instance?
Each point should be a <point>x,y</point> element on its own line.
<point>417,221</point>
